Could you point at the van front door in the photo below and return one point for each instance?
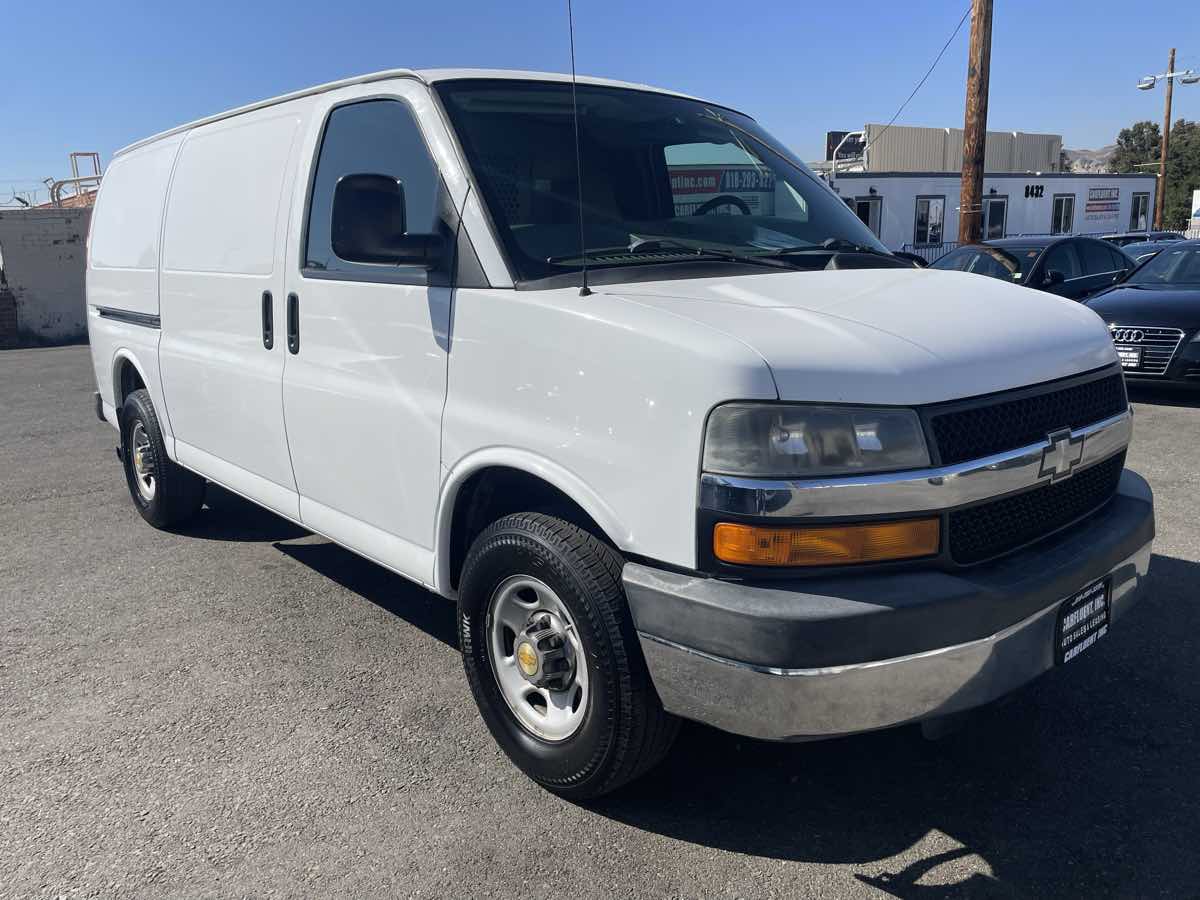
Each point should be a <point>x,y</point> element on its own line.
<point>365,375</point>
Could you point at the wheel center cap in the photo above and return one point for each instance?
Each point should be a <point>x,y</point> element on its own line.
<point>542,654</point>
<point>527,659</point>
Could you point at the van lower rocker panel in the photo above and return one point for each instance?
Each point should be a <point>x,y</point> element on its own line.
<point>388,550</point>
<point>253,487</point>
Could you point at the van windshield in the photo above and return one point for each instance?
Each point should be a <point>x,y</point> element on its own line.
<point>665,180</point>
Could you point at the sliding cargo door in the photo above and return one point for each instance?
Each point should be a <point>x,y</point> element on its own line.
<point>222,297</point>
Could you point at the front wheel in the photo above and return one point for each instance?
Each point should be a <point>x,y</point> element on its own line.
<point>553,660</point>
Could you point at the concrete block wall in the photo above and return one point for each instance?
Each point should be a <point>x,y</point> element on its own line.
<point>43,253</point>
<point>8,318</point>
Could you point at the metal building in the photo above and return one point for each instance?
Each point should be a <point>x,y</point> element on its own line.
<point>908,148</point>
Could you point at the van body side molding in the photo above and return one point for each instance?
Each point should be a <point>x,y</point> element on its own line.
<point>146,320</point>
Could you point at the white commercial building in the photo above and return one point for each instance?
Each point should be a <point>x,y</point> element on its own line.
<point>919,211</point>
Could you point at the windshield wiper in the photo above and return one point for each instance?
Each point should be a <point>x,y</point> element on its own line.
<point>654,243</point>
<point>835,245</point>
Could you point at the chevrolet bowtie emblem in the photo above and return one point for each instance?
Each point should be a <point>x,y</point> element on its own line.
<point>1062,454</point>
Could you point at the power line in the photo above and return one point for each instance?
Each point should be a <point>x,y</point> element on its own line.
<point>937,59</point>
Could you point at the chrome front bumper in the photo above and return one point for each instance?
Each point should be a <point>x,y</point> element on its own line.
<point>769,699</point>
<point>792,704</point>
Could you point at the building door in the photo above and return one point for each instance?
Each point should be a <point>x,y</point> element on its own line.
<point>927,226</point>
<point>869,210</point>
<point>995,217</point>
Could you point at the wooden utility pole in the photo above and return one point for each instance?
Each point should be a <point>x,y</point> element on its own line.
<point>1160,196</point>
<point>979,61</point>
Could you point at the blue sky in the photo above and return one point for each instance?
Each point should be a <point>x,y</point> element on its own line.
<point>800,68</point>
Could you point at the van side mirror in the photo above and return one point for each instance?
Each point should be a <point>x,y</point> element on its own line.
<point>369,224</point>
<point>1055,277</point>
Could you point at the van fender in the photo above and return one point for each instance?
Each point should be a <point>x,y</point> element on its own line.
<point>126,353</point>
<point>532,464</point>
<point>121,355</point>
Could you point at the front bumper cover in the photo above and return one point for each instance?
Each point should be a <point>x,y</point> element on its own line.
<point>842,654</point>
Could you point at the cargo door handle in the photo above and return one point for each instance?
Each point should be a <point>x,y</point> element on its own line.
<point>293,323</point>
<point>268,320</point>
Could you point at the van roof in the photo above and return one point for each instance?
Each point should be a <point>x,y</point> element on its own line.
<point>426,76</point>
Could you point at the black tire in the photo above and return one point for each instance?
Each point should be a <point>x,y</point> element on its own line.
<point>625,730</point>
<point>178,494</point>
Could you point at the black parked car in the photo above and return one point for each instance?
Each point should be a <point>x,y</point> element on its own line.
<point>1154,317</point>
<point>1135,237</point>
<point>1074,267</point>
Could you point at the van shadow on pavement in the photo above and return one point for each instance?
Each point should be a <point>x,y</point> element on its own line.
<point>434,615</point>
<point>228,517</point>
<point>1087,783</point>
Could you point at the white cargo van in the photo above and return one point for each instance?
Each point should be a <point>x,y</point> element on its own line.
<point>758,473</point>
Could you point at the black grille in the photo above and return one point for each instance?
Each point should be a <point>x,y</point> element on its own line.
<point>999,425</point>
<point>994,528</point>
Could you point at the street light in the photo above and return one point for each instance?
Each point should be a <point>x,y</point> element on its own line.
<point>1187,76</point>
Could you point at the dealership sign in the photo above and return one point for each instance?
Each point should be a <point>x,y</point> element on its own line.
<point>854,148</point>
<point>693,186</point>
<point>1103,204</point>
<point>726,180</point>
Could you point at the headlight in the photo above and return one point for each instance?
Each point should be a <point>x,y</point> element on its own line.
<point>795,441</point>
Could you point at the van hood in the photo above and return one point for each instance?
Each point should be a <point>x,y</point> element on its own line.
<point>890,336</point>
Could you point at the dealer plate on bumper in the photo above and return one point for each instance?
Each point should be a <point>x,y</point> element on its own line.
<point>1130,356</point>
<point>1083,619</point>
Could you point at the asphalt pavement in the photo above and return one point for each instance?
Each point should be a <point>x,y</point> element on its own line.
<point>242,709</point>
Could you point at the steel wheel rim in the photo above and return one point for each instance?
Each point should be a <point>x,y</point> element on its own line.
<point>551,715</point>
<point>142,462</point>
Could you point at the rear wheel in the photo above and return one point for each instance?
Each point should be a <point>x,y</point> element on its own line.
<point>553,660</point>
<point>164,493</point>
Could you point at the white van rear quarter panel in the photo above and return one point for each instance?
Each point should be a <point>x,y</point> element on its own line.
<point>113,343</point>
<point>122,271</point>
<point>126,224</point>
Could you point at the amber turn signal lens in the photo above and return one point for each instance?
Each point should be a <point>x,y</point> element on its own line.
<point>838,545</point>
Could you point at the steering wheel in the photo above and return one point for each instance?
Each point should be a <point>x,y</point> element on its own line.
<point>723,200</point>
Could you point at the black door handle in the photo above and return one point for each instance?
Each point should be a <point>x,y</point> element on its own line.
<point>293,323</point>
<point>268,320</point>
